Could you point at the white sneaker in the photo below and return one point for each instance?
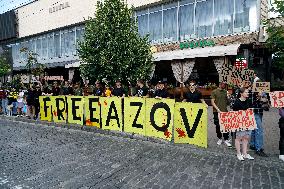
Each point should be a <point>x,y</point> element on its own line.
<point>240,157</point>
<point>228,143</point>
<point>248,157</point>
<point>220,141</point>
<point>281,157</point>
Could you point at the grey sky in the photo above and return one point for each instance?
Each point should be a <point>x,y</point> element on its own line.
<point>6,5</point>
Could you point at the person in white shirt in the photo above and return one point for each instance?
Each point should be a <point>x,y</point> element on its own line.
<point>20,101</point>
<point>255,78</point>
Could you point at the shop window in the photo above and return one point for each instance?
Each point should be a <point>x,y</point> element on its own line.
<point>155,25</point>
<point>186,22</point>
<point>72,42</point>
<point>38,47</point>
<point>142,21</point>
<point>223,15</point>
<point>50,41</point>
<point>170,24</point>
<point>44,49</point>
<point>204,18</point>
<point>246,16</point>
<point>57,44</point>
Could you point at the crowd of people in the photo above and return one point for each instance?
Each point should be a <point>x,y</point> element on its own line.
<point>25,102</point>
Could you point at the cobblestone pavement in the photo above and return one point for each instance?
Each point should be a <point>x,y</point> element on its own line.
<point>41,156</point>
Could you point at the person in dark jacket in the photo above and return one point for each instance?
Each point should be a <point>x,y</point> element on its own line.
<point>161,92</point>
<point>31,102</point>
<point>118,90</point>
<point>242,104</point>
<point>37,94</point>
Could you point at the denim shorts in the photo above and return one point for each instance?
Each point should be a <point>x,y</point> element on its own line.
<point>243,133</point>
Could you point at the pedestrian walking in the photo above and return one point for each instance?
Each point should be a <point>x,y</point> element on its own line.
<point>220,101</point>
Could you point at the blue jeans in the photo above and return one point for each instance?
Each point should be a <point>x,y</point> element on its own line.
<point>257,135</point>
<point>4,106</point>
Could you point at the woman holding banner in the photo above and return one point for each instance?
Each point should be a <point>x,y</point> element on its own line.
<point>242,104</point>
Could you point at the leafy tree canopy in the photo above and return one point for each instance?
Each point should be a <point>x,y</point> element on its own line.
<point>113,48</point>
<point>5,68</point>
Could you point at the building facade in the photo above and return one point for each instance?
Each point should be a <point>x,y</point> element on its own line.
<point>202,34</point>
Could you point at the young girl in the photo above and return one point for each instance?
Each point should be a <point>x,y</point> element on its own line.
<point>242,104</point>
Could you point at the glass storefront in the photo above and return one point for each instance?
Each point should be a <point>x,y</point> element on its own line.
<point>57,44</point>
<point>190,19</point>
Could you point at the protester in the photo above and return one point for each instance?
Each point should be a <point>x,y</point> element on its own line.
<point>98,90</point>
<point>161,92</point>
<point>4,99</point>
<point>255,78</point>
<point>220,101</point>
<point>281,127</point>
<point>118,89</point>
<point>67,89</point>
<point>13,95</point>
<point>77,91</point>
<point>87,90</point>
<point>107,92</point>
<point>55,89</point>
<point>141,90</point>
<point>256,142</point>
<point>193,95</point>
<point>37,94</point>
<point>20,101</point>
<point>31,102</point>
<point>242,136</point>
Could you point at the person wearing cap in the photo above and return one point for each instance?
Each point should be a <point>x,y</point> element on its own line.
<point>118,90</point>
<point>161,92</point>
<point>193,95</point>
<point>220,101</point>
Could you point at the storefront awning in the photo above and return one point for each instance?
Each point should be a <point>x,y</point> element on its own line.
<point>73,65</point>
<point>198,52</point>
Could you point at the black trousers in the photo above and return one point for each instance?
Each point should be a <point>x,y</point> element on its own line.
<point>218,132</point>
<point>281,141</point>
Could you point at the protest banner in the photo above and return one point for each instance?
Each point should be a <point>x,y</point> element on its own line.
<point>45,108</point>
<point>190,124</point>
<point>159,118</point>
<point>75,109</point>
<point>134,115</point>
<point>235,76</point>
<point>59,110</point>
<point>261,87</point>
<point>111,113</point>
<point>92,111</point>
<point>237,121</point>
<point>277,99</point>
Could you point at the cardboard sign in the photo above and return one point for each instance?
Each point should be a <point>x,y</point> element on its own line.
<point>261,87</point>
<point>190,124</point>
<point>277,99</point>
<point>45,108</point>
<point>237,121</point>
<point>59,110</point>
<point>159,118</point>
<point>235,76</point>
<point>92,111</point>
<point>75,109</point>
<point>134,115</point>
<point>111,113</point>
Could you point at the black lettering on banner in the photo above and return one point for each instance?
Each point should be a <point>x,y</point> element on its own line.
<point>190,132</point>
<point>60,112</point>
<point>109,116</point>
<point>157,106</point>
<point>135,124</point>
<point>92,110</point>
<point>74,107</point>
<point>45,107</point>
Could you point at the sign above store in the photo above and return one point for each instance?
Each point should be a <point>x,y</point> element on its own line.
<point>195,44</point>
<point>59,7</point>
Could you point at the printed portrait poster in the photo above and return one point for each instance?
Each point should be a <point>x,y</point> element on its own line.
<point>111,113</point>
<point>277,99</point>
<point>45,108</point>
<point>75,106</point>
<point>237,121</point>
<point>159,118</point>
<point>92,111</point>
<point>59,110</point>
<point>190,123</point>
<point>261,87</point>
<point>134,115</point>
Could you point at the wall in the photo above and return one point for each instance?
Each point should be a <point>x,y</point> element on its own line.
<point>139,3</point>
<point>45,15</point>
<point>7,25</point>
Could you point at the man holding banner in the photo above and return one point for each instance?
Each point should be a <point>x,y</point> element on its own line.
<point>219,101</point>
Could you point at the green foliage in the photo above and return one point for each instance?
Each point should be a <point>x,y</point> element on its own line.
<point>113,48</point>
<point>5,68</point>
<point>275,40</point>
<point>32,64</point>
